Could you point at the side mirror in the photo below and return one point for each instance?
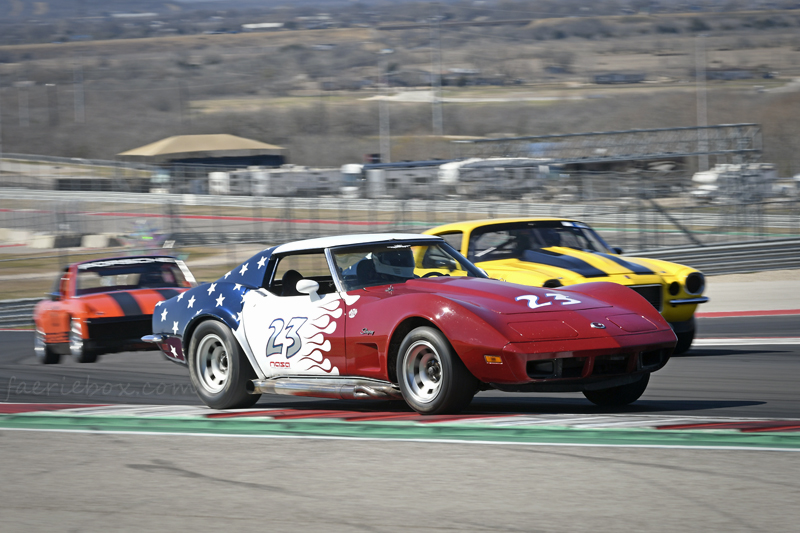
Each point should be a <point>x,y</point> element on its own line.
<point>307,286</point>
<point>617,250</point>
<point>55,296</point>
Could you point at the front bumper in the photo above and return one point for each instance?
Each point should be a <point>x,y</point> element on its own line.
<point>575,364</point>
<point>690,301</point>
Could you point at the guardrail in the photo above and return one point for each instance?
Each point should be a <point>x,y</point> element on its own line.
<point>17,313</point>
<point>733,258</point>
<point>712,260</point>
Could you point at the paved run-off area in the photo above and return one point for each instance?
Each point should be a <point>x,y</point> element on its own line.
<point>140,482</point>
<point>135,468</point>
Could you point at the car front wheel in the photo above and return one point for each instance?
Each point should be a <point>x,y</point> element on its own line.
<point>219,369</point>
<point>618,396</point>
<point>685,339</point>
<point>432,378</point>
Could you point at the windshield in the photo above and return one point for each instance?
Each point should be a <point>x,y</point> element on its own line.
<point>393,263</point>
<point>123,274</point>
<point>512,240</point>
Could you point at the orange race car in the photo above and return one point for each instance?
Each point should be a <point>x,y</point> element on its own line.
<point>104,306</point>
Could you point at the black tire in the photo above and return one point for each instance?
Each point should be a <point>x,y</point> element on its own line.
<point>77,345</point>
<point>685,339</point>
<point>219,369</point>
<point>432,378</point>
<point>618,396</point>
<point>43,352</point>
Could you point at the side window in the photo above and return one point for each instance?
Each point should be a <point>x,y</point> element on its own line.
<point>63,283</point>
<point>453,239</point>
<point>292,268</point>
<point>60,283</point>
<point>491,245</point>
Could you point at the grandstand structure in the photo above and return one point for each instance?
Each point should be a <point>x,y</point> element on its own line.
<point>727,143</point>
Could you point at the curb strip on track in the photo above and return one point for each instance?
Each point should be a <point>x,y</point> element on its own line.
<point>405,431</point>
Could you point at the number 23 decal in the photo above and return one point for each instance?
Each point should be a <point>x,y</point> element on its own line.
<point>533,301</point>
<point>290,339</point>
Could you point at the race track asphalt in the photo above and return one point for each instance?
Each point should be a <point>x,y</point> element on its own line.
<point>740,381</point>
<point>92,479</point>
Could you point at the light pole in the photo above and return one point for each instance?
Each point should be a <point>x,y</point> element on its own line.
<point>436,74</point>
<point>383,118</point>
<point>702,112</point>
<point>1,128</point>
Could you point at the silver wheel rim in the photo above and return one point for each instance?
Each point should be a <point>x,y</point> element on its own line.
<point>212,363</point>
<point>38,344</point>
<point>422,371</point>
<point>75,340</point>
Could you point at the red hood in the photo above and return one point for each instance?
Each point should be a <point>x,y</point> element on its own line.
<point>502,297</point>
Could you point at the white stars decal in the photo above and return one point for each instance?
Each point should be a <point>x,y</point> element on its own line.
<point>174,352</point>
<point>262,261</point>
<point>191,302</point>
<point>212,288</point>
<point>237,286</point>
<point>175,328</point>
<point>220,300</point>
<point>227,274</point>
<point>158,304</point>
<point>243,270</point>
<point>239,317</point>
<point>180,296</point>
<point>164,315</point>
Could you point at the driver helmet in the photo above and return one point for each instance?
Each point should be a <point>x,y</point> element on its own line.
<point>395,262</point>
<point>551,237</point>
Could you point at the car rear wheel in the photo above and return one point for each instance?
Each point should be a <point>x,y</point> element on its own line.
<point>43,352</point>
<point>77,344</point>
<point>617,396</point>
<point>432,378</point>
<point>219,369</point>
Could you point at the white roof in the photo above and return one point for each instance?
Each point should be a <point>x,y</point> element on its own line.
<point>346,240</point>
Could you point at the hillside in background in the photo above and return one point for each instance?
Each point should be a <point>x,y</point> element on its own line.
<point>77,79</point>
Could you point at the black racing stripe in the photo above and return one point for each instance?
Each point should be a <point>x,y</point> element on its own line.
<point>633,267</point>
<point>126,302</point>
<point>167,293</point>
<point>546,257</point>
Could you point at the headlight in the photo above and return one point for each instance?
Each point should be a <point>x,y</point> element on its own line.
<point>695,283</point>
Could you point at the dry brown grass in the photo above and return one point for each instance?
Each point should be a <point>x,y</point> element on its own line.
<point>265,86</point>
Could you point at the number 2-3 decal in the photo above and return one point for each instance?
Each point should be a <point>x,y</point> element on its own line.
<point>533,300</point>
<point>290,339</point>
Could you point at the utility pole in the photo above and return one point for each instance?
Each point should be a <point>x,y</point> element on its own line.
<point>22,96</point>
<point>436,74</point>
<point>383,117</point>
<point>52,104</point>
<point>1,127</point>
<point>702,112</point>
<point>80,115</point>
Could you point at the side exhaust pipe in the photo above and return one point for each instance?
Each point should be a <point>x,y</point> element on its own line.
<point>338,389</point>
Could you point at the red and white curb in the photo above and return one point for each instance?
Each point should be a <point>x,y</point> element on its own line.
<point>630,421</point>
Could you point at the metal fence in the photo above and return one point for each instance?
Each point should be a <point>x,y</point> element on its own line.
<point>66,218</point>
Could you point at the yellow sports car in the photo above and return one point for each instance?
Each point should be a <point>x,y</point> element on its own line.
<point>552,252</point>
